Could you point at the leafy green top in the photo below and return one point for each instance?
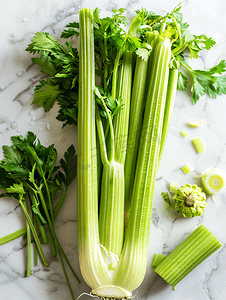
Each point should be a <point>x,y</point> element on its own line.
<point>29,167</point>
<point>60,62</point>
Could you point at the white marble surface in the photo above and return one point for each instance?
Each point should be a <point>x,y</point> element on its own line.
<point>18,76</point>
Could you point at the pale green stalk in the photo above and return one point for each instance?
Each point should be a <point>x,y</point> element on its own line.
<point>91,262</point>
<point>111,225</point>
<point>199,245</point>
<point>121,120</point>
<point>138,99</point>
<point>111,218</point>
<point>170,99</point>
<point>131,268</point>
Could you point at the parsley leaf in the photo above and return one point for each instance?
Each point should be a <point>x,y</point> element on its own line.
<point>69,165</point>
<point>182,82</point>
<point>113,106</point>
<point>73,30</point>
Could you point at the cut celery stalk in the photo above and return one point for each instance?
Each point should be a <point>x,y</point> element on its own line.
<point>199,245</point>
<point>134,253</point>
<point>199,145</point>
<point>214,181</point>
<point>157,259</point>
<point>184,134</point>
<point>196,123</point>
<point>173,187</point>
<point>187,168</point>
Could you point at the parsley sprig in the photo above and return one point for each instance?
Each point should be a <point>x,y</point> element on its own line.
<point>28,173</point>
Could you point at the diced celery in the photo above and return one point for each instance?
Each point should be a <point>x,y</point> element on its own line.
<point>184,134</point>
<point>187,168</point>
<point>196,123</point>
<point>199,145</point>
<point>213,181</point>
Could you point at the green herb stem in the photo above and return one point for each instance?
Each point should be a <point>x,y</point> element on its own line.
<point>33,199</point>
<point>36,249</point>
<point>34,234</point>
<point>13,236</point>
<point>52,230</point>
<point>28,245</point>
<point>59,204</point>
<point>102,141</point>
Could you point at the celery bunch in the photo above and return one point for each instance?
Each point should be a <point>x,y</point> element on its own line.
<point>111,239</point>
<point>123,120</point>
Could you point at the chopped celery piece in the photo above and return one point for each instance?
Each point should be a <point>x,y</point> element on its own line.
<point>196,123</point>
<point>199,245</point>
<point>199,145</point>
<point>157,259</point>
<point>184,134</point>
<point>187,168</point>
<point>173,187</point>
<point>213,181</point>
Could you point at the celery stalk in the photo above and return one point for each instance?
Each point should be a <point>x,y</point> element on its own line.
<point>111,222</point>
<point>121,120</point>
<point>135,122</point>
<point>199,245</point>
<point>134,253</point>
<point>170,98</point>
<point>91,262</point>
<point>111,218</point>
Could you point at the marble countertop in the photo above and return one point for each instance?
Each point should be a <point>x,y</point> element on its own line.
<point>18,77</point>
